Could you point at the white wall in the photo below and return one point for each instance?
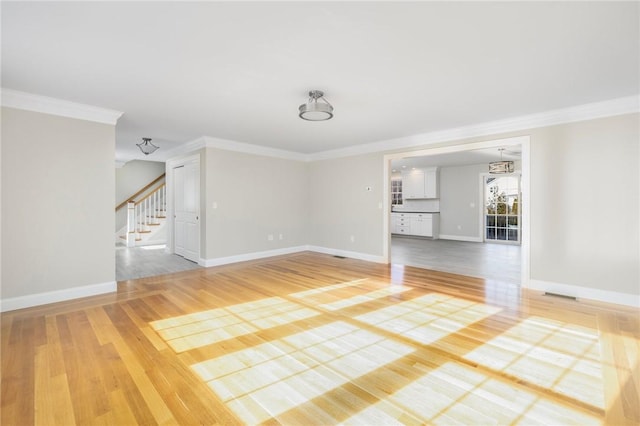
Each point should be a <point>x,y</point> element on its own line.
<point>255,196</point>
<point>341,206</point>
<point>584,204</point>
<point>131,178</point>
<point>58,186</point>
<point>460,202</point>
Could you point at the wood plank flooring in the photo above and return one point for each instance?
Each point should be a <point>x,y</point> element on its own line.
<point>492,261</point>
<point>312,339</point>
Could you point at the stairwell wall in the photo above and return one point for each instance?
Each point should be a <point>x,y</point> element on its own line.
<point>129,179</point>
<point>58,193</point>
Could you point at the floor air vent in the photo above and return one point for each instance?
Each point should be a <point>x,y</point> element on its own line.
<point>339,257</point>
<point>564,296</point>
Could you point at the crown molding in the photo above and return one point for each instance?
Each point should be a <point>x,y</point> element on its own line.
<point>53,106</point>
<point>229,145</point>
<point>247,148</point>
<point>619,106</point>
<point>613,107</point>
<point>183,149</point>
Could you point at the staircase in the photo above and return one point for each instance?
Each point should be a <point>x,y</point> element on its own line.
<point>146,220</point>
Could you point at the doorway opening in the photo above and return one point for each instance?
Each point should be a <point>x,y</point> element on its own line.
<point>462,227</point>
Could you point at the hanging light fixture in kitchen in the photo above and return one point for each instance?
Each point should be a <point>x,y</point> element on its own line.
<point>502,166</point>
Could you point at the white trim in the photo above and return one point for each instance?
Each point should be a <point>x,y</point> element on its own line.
<point>229,145</point>
<point>586,293</point>
<point>288,250</point>
<point>247,148</point>
<point>38,299</point>
<point>53,106</point>
<point>461,238</point>
<point>184,149</point>
<point>250,256</point>
<point>619,106</point>
<point>351,254</point>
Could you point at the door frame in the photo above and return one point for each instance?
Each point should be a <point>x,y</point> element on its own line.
<point>170,165</point>
<point>523,141</point>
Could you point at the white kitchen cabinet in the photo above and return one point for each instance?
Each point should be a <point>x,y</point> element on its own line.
<point>400,223</point>
<point>422,225</point>
<point>431,184</point>
<point>420,184</point>
<point>416,224</point>
<point>413,184</point>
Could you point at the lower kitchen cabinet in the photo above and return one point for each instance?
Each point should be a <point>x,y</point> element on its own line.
<point>417,224</point>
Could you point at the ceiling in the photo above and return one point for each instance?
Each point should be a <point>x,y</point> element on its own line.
<point>239,70</point>
<point>460,158</point>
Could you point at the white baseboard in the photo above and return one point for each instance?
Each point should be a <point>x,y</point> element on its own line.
<point>461,238</point>
<point>346,253</point>
<point>586,293</point>
<point>38,299</point>
<point>289,250</point>
<point>250,256</point>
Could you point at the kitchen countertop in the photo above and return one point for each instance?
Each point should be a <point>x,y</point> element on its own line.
<point>411,211</point>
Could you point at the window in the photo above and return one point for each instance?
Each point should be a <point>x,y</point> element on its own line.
<point>396,192</point>
<point>502,208</point>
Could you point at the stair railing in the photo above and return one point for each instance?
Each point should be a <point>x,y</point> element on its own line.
<point>143,214</point>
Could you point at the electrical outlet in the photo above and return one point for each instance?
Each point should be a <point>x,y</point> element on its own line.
<point>270,237</point>
<point>281,237</point>
<point>352,238</point>
<point>459,227</point>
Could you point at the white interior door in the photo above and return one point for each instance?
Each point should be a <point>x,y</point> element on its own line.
<point>186,196</point>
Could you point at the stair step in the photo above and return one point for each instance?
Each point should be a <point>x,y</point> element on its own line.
<point>144,232</point>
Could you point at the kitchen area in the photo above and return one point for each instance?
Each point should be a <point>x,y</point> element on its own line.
<point>415,204</point>
<point>448,213</point>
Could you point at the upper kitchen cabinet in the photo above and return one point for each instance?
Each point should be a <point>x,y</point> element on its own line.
<point>420,184</point>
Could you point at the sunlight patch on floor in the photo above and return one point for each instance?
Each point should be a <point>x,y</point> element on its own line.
<point>267,380</point>
<point>457,394</point>
<point>558,356</point>
<point>428,318</point>
<point>317,291</point>
<point>363,298</point>
<point>203,328</point>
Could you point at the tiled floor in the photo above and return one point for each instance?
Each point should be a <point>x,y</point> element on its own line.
<point>500,262</point>
<point>148,261</point>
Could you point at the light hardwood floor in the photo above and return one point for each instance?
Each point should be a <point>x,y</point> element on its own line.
<point>312,339</point>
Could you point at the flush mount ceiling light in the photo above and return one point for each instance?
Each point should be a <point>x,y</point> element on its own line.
<point>317,107</point>
<point>146,146</point>
<point>502,166</point>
